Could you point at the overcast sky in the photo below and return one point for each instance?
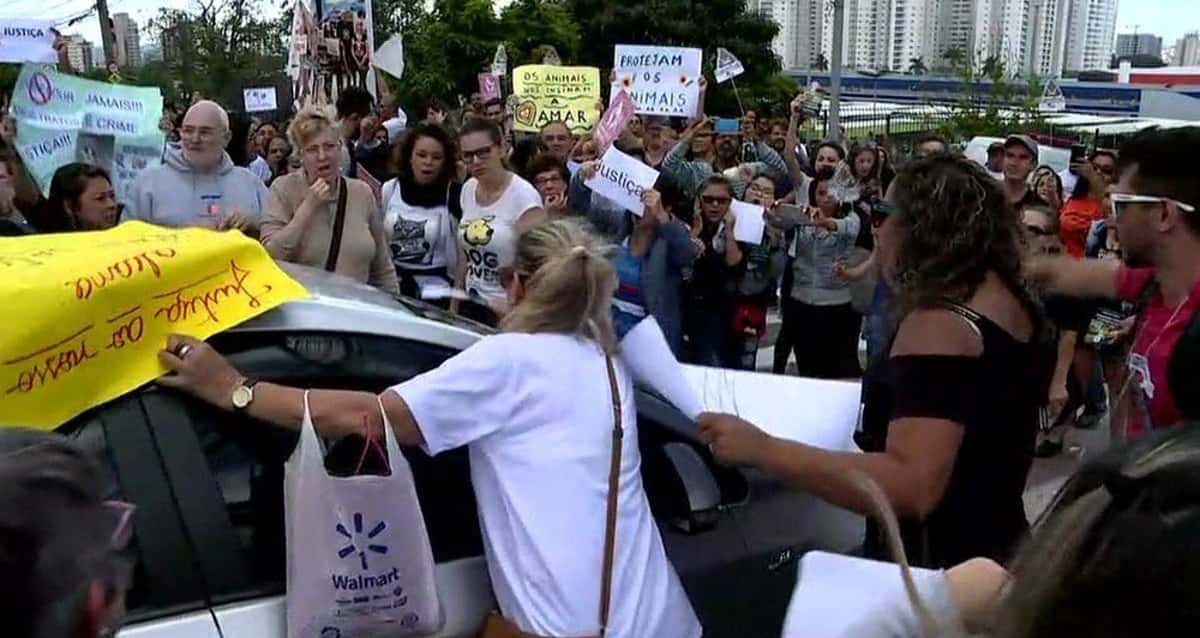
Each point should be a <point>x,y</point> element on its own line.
<point>1167,18</point>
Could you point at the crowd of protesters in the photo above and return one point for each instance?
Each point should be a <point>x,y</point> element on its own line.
<point>1000,304</point>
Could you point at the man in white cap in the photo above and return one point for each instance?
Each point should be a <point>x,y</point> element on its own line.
<point>198,185</point>
<point>1020,159</point>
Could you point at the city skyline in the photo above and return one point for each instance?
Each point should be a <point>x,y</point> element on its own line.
<point>1168,19</point>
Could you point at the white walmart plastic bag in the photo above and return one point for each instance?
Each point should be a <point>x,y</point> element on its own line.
<point>359,563</point>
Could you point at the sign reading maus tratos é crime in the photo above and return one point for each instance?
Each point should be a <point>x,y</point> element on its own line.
<point>63,119</point>
<point>661,80</point>
<point>547,93</point>
<point>87,313</point>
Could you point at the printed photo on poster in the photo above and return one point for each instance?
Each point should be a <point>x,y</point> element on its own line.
<point>346,44</point>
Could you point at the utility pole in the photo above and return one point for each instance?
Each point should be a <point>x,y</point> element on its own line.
<point>106,32</point>
<point>835,71</point>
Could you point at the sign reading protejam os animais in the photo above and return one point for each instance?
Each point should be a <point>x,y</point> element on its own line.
<point>87,313</point>
<point>661,80</point>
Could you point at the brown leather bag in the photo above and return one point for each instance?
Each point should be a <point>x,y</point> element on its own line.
<point>498,626</point>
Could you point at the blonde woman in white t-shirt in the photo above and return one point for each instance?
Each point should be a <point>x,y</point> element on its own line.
<point>497,205</point>
<point>540,457</point>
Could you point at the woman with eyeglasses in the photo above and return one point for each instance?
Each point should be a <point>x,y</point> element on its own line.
<point>819,322</point>
<point>421,211</point>
<point>497,206</point>
<point>317,218</point>
<point>709,305</point>
<point>757,276</point>
<point>1083,208</point>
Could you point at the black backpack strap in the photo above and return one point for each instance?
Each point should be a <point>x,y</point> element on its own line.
<point>339,220</point>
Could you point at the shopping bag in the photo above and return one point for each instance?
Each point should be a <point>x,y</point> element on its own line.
<point>358,557</point>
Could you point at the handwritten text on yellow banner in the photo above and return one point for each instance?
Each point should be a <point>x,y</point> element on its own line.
<point>86,313</point>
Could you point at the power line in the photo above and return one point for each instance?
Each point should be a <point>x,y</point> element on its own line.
<point>55,8</point>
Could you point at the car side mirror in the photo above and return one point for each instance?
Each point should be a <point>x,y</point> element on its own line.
<point>687,491</point>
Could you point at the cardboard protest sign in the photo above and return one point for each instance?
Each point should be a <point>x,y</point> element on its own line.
<point>728,66</point>
<point>545,94</point>
<point>259,98</point>
<point>749,223</point>
<point>24,40</point>
<point>62,118</point>
<point>622,179</point>
<point>489,87</point>
<point>661,80</point>
<point>90,311</point>
<point>620,110</point>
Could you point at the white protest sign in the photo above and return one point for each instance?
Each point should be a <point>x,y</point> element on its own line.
<point>500,62</point>
<point>390,57</point>
<point>749,223</point>
<point>27,41</point>
<point>728,66</point>
<point>259,98</point>
<point>622,179</point>
<point>661,80</point>
<point>620,109</point>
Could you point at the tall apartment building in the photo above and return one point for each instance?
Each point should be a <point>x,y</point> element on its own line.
<point>913,24</point>
<point>868,37</point>
<point>1091,33</point>
<point>1046,37</point>
<point>79,53</point>
<point>128,42</point>
<point>1187,50</point>
<point>1139,44</point>
<point>799,41</point>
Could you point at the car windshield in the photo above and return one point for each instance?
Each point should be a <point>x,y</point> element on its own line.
<point>434,313</point>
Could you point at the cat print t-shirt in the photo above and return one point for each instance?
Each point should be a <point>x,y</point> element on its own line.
<point>488,237</point>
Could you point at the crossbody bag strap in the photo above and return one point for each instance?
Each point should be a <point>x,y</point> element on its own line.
<point>339,221</point>
<point>614,474</point>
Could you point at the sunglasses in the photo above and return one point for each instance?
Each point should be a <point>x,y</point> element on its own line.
<point>1038,230</point>
<point>1119,201</point>
<point>715,201</point>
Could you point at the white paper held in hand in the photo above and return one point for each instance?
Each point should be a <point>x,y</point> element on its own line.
<point>622,179</point>
<point>645,352</point>
<point>390,57</point>
<point>750,222</point>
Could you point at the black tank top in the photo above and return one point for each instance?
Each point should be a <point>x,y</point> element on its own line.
<point>996,397</point>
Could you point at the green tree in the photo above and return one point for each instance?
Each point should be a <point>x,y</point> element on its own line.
<point>916,66</point>
<point>529,26</point>
<point>990,102</point>
<point>822,62</point>
<point>445,50</point>
<point>220,47</point>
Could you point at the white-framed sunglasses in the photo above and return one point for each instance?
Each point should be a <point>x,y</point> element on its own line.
<point>1116,200</point>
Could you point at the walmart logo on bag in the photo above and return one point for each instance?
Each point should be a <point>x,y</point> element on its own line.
<point>357,543</point>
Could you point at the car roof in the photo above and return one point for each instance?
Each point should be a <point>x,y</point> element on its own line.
<point>339,304</point>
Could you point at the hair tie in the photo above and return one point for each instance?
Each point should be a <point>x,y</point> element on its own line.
<point>579,251</point>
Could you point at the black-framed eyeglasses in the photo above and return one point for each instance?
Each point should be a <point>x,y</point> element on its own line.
<point>1034,229</point>
<point>715,200</point>
<point>477,154</point>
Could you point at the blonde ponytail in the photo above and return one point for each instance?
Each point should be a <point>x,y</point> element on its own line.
<point>569,283</point>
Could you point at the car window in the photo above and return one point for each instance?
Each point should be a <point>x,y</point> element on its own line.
<point>115,436</point>
<point>246,458</point>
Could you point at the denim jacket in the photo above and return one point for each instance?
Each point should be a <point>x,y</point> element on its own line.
<point>817,251</point>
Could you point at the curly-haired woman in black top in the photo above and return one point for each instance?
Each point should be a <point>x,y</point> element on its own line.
<point>951,421</point>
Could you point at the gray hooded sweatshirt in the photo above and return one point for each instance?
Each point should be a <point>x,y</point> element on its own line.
<point>176,196</point>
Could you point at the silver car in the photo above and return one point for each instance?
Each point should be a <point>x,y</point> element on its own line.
<point>209,534</point>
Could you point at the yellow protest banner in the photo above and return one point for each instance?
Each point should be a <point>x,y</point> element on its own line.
<point>87,313</point>
<point>544,93</point>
